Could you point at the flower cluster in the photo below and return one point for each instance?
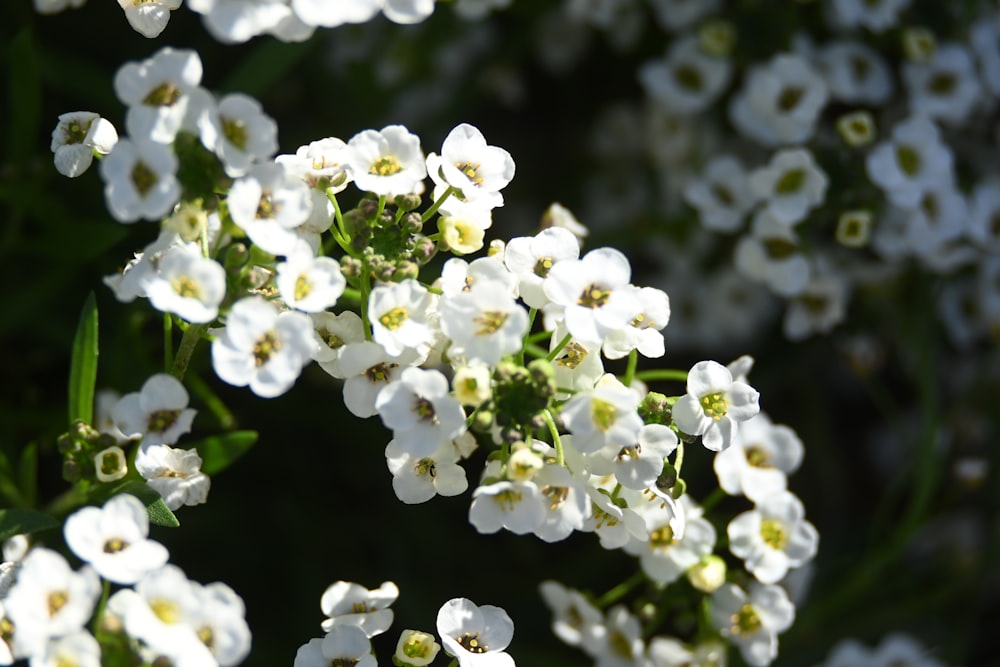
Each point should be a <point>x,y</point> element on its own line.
<point>473,635</point>
<point>157,614</point>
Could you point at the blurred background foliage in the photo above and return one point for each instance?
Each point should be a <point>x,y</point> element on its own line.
<point>885,405</point>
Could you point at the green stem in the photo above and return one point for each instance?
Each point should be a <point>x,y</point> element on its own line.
<point>378,211</point>
<point>558,348</point>
<point>554,432</point>
<point>436,205</point>
<point>190,340</point>
<point>620,591</point>
<point>66,501</point>
<point>168,341</point>
<point>633,360</point>
<point>662,374</point>
<point>226,419</point>
<point>713,499</point>
<point>99,613</point>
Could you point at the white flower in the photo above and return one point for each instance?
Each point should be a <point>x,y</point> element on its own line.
<point>817,308</point>
<point>617,642</point>
<point>407,11</point>
<point>157,92</point>
<point>49,600</point>
<point>532,257</point>
<point>780,101</point>
<point>790,185</point>
<point>239,20</point>
<point>140,180</point>
<point>676,538</point>
<point>399,316</point>
<point>574,618</point>
<point>269,204</point>
<point>876,15</point>
<point>387,161</point>
<point>346,603</point>
<point>173,473</point>
<point>187,284</point>
<point>759,462</point>
<point>484,324</point>
<point>113,539</point>
<point>459,276</point>
<point>605,416</point>
<point>158,412</point>
<point>946,87</point>
<point>331,13</point>
<point>263,348</point>
<point>162,611</point>
<point>418,479</point>
<point>415,648</point>
<point>148,17</point>
<point>239,132</point>
<point>687,80</point>
<point>476,635</point>
<point>463,233</point>
<point>345,645</point>
<point>77,649</point>
<point>638,465</point>
<point>983,225</point>
<point>714,404</point>
<point>914,159</point>
<point>475,170</point>
<point>773,537</point>
<point>615,526</point>
<point>721,195</point>
<point>110,464</point>
<point>219,620</point>
<point>367,369</point>
<point>643,332</point>
<point>334,333</point>
<point>320,164</point>
<point>856,73</point>
<point>753,620</point>
<point>593,294</point>
<point>770,254</point>
<point>565,502</point>
<point>517,506</point>
<point>77,137</point>
<point>309,283</point>
<point>420,411</point>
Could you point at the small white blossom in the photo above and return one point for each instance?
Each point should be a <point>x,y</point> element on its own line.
<point>713,404</point>
<point>467,164</point>
<point>140,180</point>
<point>173,473</point>
<point>773,537</point>
<point>476,635</point>
<point>387,161</point>
<point>113,539</point>
<point>309,283</point>
<point>399,316</point>
<point>158,92</point>
<point>269,204</point>
<point>77,137</point>
<point>158,412</point>
<point>420,411</point>
<point>752,620</point>
<point>346,603</point>
<point>418,479</point>
<point>148,17</point>
<point>187,284</point>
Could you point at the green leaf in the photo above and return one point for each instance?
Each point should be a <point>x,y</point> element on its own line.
<point>28,472</point>
<point>83,366</point>
<point>269,62</point>
<point>219,452</point>
<point>16,522</point>
<point>158,511</point>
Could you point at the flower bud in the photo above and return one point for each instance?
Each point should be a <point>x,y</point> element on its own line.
<point>655,409</point>
<point>707,574</point>
<point>411,223</point>
<point>415,649</point>
<point>424,250</point>
<point>407,202</point>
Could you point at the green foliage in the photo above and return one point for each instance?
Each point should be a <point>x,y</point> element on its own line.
<point>83,367</point>
<point>221,451</point>
<point>21,521</point>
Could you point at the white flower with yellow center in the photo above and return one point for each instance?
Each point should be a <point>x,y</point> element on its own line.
<point>270,204</point>
<point>475,635</point>
<point>789,185</point>
<point>532,257</point>
<point>158,92</point>
<point>592,294</point>
<point>417,479</point>
<point>399,314</point>
<point>644,330</point>
<point>148,17</point>
<point>484,324</point>
<point>387,161</point>
<point>517,506</point>
<point>263,348</point>
<point>334,333</point>
<point>77,137</point>
<point>477,171</point>
<point>158,412</point>
<point>48,600</point>
<point>759,462</point>
<point>239,132</point>
<point>677,537</point>
<point>604,416</point>
<point>113,539</point>
<point>773,537</point>
<point>344,645</point>
<point>346,603</point>
<point>753,619</point>
<point>367,369</point>
<point>187,284</point>
<point>173,473</point>
<point>420,411</point>
<point>140,180</point>
<point>713,404</point>
<point>309,283</point>
<point>912,160</point>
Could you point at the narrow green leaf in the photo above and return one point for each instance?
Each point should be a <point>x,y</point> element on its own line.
<point>28,472</point>
<point>83,366</point>
<point>16,522</point>
<point>219,452</point>
<point>158,511</point>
